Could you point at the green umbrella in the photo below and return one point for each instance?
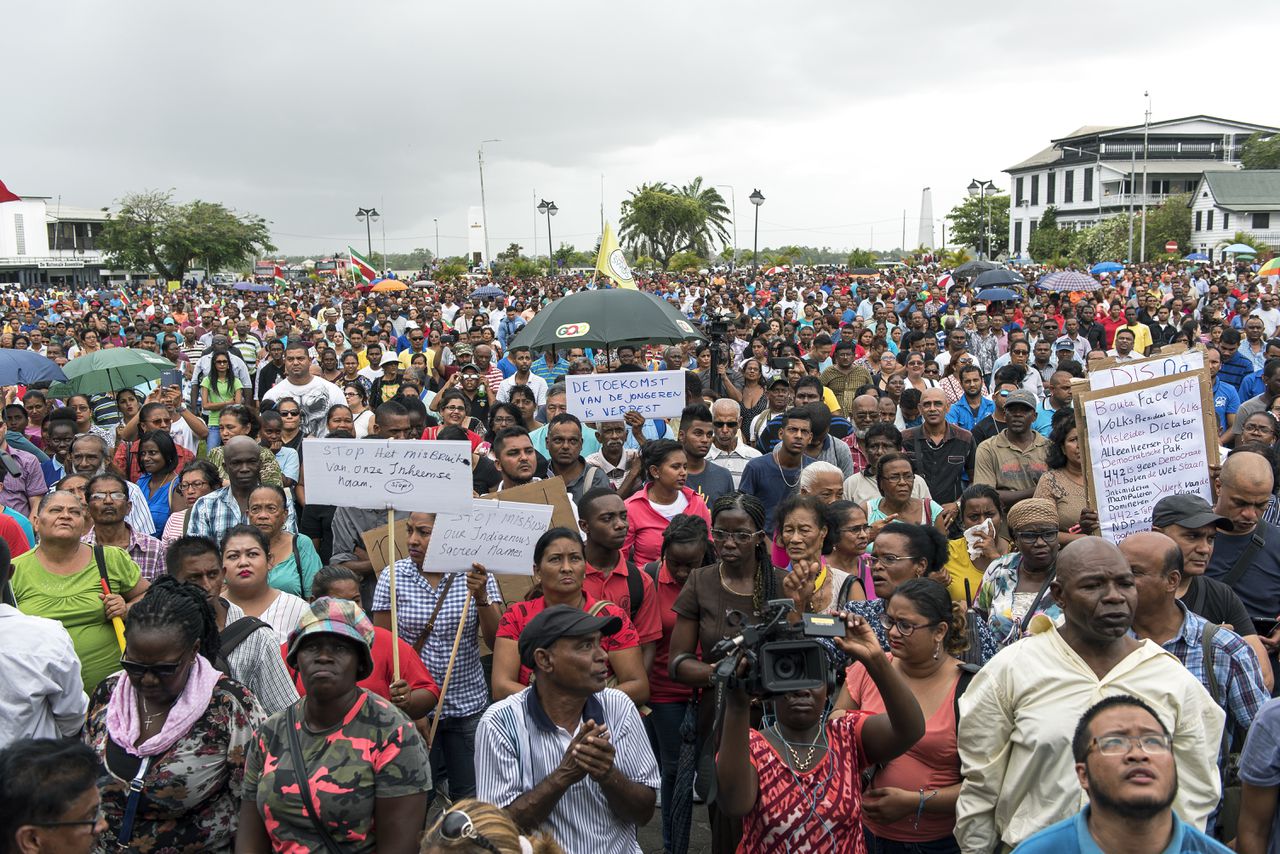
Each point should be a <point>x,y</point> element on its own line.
<point>109,371</point>
<point>606,318</point>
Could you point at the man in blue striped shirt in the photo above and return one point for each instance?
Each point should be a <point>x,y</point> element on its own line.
<point>568,753</point>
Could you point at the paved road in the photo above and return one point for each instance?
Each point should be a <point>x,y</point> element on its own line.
<point>699,835</point>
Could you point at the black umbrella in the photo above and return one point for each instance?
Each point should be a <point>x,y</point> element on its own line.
<point>864,271</point>
<point>606,318</point>
<point>686,770</point>
<point>973,268</point>
<point>998,279</point>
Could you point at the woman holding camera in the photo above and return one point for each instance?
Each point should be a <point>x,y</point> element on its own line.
<point>911,800</point>
<point>796,784</point>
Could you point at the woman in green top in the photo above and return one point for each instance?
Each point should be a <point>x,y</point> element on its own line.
<point>268,511</point>
<point>218,390</point>
<point>59,579</point>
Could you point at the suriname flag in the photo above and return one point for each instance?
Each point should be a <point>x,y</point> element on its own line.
<point>361,265</point>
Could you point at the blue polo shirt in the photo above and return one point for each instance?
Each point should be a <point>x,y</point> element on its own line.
<point>1252,385</point>
<point>1235,369</point>
<point>1225,401</point>
<point>1071,836</point>
<point>962,416</point>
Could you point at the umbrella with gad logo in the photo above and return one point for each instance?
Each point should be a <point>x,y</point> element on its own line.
<point>606,318</point>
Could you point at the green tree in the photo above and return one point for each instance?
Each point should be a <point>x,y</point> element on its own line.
<point>715,217</point>
<point>450,270</point>
<point>1261,152</point>
<point>659,220</point>
<point>861,258</point>
<point>685,261</point>
<point>151,232</point>
<point>526,268</point>
<point>1107,240</point>
<point>968,218</point>
<point>1050,243</point>
<point>1248,240</point>
<point>563,256</point>
<point>1171,220</point>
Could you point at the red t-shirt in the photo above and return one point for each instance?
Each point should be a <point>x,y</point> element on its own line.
<point>379,681</point>
<point>433,432</point>
<point>615,589</point>
<point>14,537</point>
<point>661,687</point>
<point>520,613</point>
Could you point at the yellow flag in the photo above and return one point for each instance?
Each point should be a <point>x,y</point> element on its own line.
<point>611,262</point>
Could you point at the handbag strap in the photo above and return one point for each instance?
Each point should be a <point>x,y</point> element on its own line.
<point>297,564</point>
<point>1244,561</point>
<point>435,612</point>
<point>1031,612</point>
<point>304,787</point>
<point>131,805</point>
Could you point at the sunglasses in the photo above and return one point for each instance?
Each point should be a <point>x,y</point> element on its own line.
<point>724,424</point>
<point>458,825</point>
<point>290,413</point>
<point>138,670</point>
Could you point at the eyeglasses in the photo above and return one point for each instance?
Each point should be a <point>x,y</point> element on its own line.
<point>1030,537</point>
<point>904,628</point>
<point>91,822</point>
<point>887,559</point>
<point>138,670</point>
<point>1259,428</point>
<point>854,529</point>
<point>1116,745</point>
<point>458,825</point>
<point>193,484</point>
<point>904,477</point>
<point>103,496</point>
<point>455,408</point>
<point>725,424</point>
<point>740,537</point>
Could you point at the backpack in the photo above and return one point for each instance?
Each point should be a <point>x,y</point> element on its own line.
<point>232,636</point>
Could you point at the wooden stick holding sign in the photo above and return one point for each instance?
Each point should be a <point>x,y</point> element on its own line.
<point>395,623</point>
<point>448,670</point>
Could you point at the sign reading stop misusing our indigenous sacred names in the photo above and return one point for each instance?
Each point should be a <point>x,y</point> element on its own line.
<point>607,397</point>
<point>375,474</point>
<point>1142,442</point>
<point>500,535</point>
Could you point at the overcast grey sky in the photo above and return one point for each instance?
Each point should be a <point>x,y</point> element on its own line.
<point>840,113</point>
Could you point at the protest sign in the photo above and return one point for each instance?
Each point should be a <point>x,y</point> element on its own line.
<point>428,477</point>
<point>377,540</point>
<point>1143,441</point>
<point>607,397</point>
<point>550,491</point>
<point>1123,373</point>
<point>500,535</point>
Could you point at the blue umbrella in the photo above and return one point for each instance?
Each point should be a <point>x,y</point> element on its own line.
<point>488,292</point>
<point>1106,267</point>
<point>252,287</point>
<point>1240,249</point>
<point>998,278</point>
<point>22,367</point>
<point>1196,256</point>
<point>996,294</point>
<point>1067,281</point>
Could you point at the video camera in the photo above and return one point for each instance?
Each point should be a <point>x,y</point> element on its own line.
<point>782,656</point>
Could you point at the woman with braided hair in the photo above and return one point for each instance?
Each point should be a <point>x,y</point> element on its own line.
<point>742,579</point>
<point>172,727</point>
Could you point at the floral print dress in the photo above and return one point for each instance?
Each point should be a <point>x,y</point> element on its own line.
<point>191,792</point>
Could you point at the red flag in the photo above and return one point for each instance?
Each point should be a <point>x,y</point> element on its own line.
<point>6,196</point>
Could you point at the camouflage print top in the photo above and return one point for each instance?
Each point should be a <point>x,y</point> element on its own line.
<point>374,753</point>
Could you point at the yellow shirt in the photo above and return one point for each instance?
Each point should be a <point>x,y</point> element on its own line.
<point>1018,717</point>
<point>1141,337</point>
<point>961,569</point>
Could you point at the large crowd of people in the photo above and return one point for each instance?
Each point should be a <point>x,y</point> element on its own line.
<point>197,657</point>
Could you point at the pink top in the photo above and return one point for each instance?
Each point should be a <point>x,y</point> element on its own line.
<point>645,525</point>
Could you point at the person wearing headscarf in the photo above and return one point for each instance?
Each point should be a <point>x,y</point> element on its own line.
<point>1015,588</point>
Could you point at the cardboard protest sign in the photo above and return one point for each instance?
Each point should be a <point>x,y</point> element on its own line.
<point>428,477</point>
<point>1143,441</point>
<point>551,492</point>
<point>607,397</point>
<point>1124,373</point>
<point>500,535</point>
<point>375,543</point>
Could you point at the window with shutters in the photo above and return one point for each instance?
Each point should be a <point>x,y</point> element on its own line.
<point>1069,186</point>
<point>1208,219</point>
<point>1262,220</point>
<point>20,233</point>
<point>1198,220</point>
<point>1226,220</point>
<point>1088,183</point>
<point>1018,191</point>
<point>1017,236</point>
<point>1035,189</point>
<point>1050,188</point>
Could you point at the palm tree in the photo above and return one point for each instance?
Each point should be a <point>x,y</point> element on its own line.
<point>715,226</point>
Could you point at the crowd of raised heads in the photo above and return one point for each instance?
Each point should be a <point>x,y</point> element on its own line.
<point>200,655</point>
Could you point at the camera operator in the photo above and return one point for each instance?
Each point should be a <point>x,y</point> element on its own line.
<point>766,776</point>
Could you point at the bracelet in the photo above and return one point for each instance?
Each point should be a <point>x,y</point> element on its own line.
<point>484,604</point>
<point>920,809</point>
<point>680,659</point>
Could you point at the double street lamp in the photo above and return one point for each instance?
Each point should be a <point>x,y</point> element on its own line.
<point>979,189</point>
<point>757,199</point>
<point>366,215</point>
<point>549,209</point>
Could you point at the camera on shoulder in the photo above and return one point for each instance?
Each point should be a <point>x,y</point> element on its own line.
<point>781,656</point>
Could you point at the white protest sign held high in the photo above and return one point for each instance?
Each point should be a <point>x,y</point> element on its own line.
<point>1147,369</point>
<point>1146,441</point>
<point>607,397</point>
<point>429,477</point>
<point>498,534</point>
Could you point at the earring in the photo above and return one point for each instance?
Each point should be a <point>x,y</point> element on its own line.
<point>937,650</point>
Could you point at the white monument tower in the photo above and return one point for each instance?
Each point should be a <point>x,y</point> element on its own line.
<point>926,219</point>
<point>475,237</point>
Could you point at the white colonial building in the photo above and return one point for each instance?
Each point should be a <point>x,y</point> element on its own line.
<point>1095,172</point>
<point>47,242</point>
<point>1233,201</point>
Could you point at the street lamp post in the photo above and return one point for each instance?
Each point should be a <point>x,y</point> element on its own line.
<point>484,211</point>
<point>366,215</point>
<point>979,189</point>
<point>733,202</point>
<point>549,209</point>
<point>437,222</point>
<point>757,199</point>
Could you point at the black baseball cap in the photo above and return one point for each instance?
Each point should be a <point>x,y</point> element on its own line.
<point>1189,511</point>
<point>561,621</point>
<point>776,379</point>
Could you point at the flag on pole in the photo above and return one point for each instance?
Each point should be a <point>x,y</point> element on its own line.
<point>6,195</point>
<point>363,269</point>
<point>611,262</point>
<point>281,281</point>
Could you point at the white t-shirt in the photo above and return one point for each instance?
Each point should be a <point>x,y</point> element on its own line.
<point>284,613</point>
<point>182,435</point>
<point>672,510</point>
<point>535,382</point>
<point>1270,317</point>
<point>314,399</point>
